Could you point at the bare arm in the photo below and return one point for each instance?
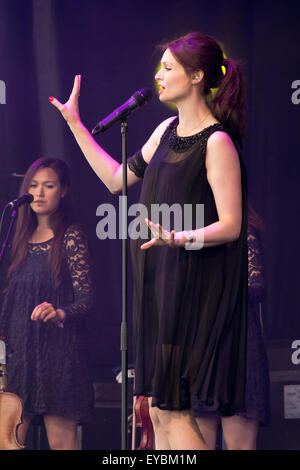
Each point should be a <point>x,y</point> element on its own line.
<point>224,177</point>
<point>106,168</point>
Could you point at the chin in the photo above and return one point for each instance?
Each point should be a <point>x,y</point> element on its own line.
<point>164,99</point>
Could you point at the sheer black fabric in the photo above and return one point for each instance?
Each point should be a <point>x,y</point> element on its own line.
<point>257,395</point>
<point>47,367</point>
<point>190,307</point>
<point>137,164</point>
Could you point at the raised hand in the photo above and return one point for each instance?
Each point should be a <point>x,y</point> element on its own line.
<point>70,110</point>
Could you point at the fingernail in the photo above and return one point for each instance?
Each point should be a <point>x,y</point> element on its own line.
<point>51,98</point>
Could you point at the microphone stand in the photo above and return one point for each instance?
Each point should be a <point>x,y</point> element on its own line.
<point>124,330</point>
<point>5,243</point>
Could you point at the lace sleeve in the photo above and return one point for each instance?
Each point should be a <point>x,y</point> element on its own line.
<point>137,164</point>
<point>78,262</point>
<point>255,268</point>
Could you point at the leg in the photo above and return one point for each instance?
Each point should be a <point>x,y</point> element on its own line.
<point>61,433</point>
<point>161,438</point>
<point>208,426</point>
<point>240,433</point>
<point>23,428</point>
<point>177,428</point>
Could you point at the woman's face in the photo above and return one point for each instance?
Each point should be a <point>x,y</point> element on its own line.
<point>173,82</point>
<point>46,190</point>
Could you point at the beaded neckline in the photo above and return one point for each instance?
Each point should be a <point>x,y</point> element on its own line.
<point>181,144</point>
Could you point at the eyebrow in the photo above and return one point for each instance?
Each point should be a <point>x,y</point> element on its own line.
<point>166,63</point>
<point>48,181</point>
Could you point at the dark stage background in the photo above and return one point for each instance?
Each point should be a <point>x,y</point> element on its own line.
<point>44,43</point>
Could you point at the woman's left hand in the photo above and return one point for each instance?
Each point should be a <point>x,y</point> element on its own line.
<point>161,237</point>
<point>46,312</point>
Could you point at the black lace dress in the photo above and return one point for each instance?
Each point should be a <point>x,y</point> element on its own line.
<point>47,367</point>
<point>258,382</point>
<point>190,306</point>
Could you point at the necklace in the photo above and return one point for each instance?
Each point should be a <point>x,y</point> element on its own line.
<point>196,127</point>
<point>181,144</point>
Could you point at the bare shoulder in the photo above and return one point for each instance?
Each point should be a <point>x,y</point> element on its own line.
<point>153,142</point>
<point>221,149</point>
<point>163,126</point>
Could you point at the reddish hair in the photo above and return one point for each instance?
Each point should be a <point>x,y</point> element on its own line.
<point>197,51</point>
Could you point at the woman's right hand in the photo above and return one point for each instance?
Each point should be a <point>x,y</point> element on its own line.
<point>70,110</point>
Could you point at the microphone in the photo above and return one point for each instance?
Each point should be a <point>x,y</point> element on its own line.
<point>26,198</point>
<point>138,99</point>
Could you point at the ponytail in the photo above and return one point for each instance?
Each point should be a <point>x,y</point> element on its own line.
<point>228,102</point>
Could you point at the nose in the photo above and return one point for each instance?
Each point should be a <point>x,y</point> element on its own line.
<point>158,75</point>
<point>40,190</point>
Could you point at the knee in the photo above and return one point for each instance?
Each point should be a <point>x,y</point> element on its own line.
<point>238,444</point>
<point>162,419</point>
<point>154,416</point>
<point>57,443</point>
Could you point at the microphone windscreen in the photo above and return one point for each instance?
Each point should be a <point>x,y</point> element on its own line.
<point>143,96</point>
<point>27,197</point>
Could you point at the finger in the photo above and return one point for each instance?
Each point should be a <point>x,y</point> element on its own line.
<point>172,238</point>
<point>153,227</point>
<point>35,313</point>
<point>163,233</point>
<point>76,87</point>
<point>158,230</point>
<point>39,311</point>
<point>50,316</point>
<point>149,244</point>
<point>56,103</point>
<point>44,313</point>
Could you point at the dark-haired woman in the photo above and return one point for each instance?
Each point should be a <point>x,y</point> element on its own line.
<point>190,305</point>
<point>47,298</point>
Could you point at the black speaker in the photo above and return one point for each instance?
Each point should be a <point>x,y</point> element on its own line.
<point>105,431</point>
<point>284,364</point>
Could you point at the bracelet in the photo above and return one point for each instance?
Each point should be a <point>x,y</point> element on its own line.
<point>190,236</point>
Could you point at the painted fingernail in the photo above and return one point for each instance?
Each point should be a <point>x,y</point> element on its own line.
<point>51,98</point>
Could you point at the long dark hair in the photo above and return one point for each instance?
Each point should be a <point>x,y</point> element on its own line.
<point>197,51</point>
<point>60,220</point>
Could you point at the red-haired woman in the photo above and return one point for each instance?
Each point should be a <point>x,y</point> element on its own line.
<point>47,298</point>
<point>190,305</point>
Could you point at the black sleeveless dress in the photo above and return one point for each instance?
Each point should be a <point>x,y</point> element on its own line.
<point>257,391</point>
<point>48,366</point>
<point>190,306</point>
